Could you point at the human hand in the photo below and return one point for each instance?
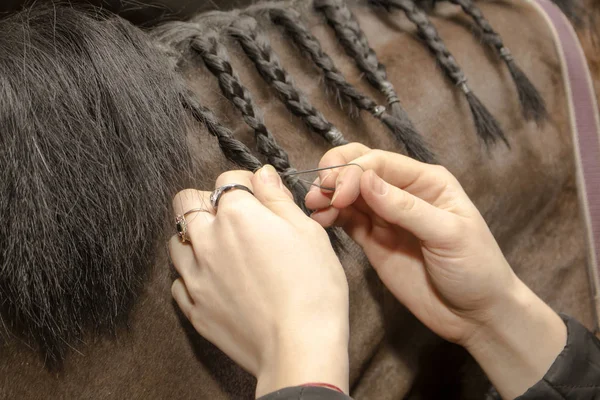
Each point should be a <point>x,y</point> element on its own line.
<point>260,280</point>
<point>421,233</point>
<point>433,250</point>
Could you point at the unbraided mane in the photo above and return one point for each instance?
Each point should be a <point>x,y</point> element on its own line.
<point>92,150</point>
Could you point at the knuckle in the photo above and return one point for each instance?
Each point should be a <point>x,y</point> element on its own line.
<point>443,178</point>
<point>443,174</point>
<point>194,289</point>
<point>235,211</point>
<point>455,228</point>
<point>184,196</point>
<point>375,152</point>
<point>440,169</point>
<point>405,202</point>
<point>357,147</point>
<point>234,176</point>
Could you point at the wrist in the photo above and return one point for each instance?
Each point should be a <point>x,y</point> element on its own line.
<point>519,342</point>
<point>311,353</point>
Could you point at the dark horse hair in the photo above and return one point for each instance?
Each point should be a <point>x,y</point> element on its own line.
<point>96,123</point>
<point>90,159</point>
<point>93,148</point>
<point>398,123</point>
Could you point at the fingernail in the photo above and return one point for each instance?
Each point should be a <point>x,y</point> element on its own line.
<point>378,185</point>
<point>316,185</point>
<point>269,175</point>
<point>337,190</point>
<point>325,178</point>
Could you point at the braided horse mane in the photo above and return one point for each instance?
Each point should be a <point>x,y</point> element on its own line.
<point>105,123</point>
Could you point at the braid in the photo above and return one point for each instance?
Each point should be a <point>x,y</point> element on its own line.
<point>234,150</point>
<point>355,43</point>
<point>216,58</point>
<point>257,48</point>
<point>532,104</point>
<point>486,125</point>
<point>237,152</point>
<point>406,134</point>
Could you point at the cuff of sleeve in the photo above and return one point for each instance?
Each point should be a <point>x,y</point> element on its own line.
<point>305,393</point>
<point>576,370</point>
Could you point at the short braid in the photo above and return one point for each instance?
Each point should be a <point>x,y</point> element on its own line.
<point>234,150</point>
<point>532,103</point>
<point>216,59</point>
<point>305,40</point>
<point>486,125</point>
<point>356,45</point>
<point>257,47</point>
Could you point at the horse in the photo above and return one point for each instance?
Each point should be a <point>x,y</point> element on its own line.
<point>104,123</point>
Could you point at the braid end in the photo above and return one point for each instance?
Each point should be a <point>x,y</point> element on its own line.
<point>532,103</point>
<point>486,125</point>
<point>406,134</point>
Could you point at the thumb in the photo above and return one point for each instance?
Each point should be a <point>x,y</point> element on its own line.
<point>398,207</point>
<point>270,191</point>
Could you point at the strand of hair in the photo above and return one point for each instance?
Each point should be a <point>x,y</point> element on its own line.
<point>234,150</point>
<point>533,106</point>
<point>486,125</point>
<point>402,131</point>
<point>356,45</point>
<point>216,59</point>
<point>257,47</point>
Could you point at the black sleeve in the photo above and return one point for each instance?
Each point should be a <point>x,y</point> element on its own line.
<point>305,393</point>
<point>575,374</point>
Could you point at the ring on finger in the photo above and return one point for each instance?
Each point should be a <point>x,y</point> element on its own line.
<point>215,196</point>
<point>181,223</point>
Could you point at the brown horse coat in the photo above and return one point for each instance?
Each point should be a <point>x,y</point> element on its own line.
<point>526,193</point>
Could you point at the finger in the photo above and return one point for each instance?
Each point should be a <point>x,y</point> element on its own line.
<point>356,224</point>
<point>183,258</point>
<point>236,197</point>
<point>317,199</point>
<point>398,207</point>
<point>194,206</point>
<point>268,189</point>
<point>182,297</point>
<point>347,186</point>
<point>326,217</point>
<point>423,180</point>
<point>406,173</point>
<point>338,156</point>
<point>189,199</point>
<point>287,191</point>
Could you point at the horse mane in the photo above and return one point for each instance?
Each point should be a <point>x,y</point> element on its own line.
<point>96,120</point>
<point>93,147</point>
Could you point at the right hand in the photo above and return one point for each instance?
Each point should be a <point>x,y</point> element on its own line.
<point>424,237</point>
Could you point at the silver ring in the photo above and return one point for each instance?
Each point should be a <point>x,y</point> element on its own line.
<point>181,223</point>
<point>215,196</point>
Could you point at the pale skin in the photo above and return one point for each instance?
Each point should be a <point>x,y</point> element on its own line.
<point>422,234</point>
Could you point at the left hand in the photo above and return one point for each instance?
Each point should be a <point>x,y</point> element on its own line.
<point>261,281</point>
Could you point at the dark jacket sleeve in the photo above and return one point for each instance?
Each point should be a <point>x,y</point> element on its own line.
<point>305,393</point>
<point>575,374</point>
